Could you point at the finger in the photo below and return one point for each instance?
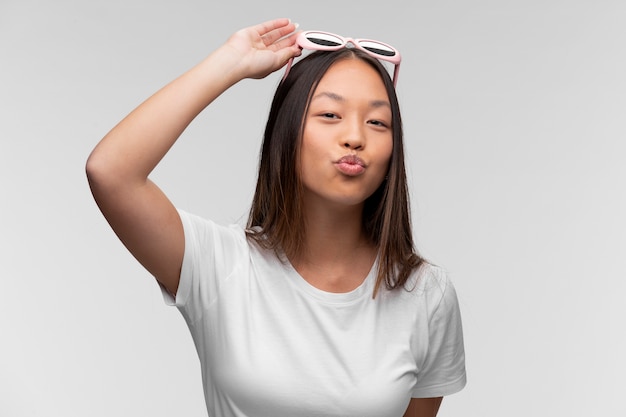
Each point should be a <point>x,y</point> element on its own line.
<point>266,27</point>
<point>279,33</point>
<point>284,42</point>
<point>288,53</point>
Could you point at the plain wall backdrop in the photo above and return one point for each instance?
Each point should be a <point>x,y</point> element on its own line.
<point>514,114</point>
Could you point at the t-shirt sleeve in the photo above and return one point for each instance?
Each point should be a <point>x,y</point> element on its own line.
<point>443,369</point>
<point>211,253</point>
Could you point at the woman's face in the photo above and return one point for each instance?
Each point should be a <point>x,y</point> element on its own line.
<point>347,139</point>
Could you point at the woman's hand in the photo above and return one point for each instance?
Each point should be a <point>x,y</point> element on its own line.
<point>264,48</point>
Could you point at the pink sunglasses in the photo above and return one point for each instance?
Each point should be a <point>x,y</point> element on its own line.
<point>325,41</point>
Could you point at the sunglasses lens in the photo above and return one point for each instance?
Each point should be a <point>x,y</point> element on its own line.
<point>323,39</point>
<point>377,48</point>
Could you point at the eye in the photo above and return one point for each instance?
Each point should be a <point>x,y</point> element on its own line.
<point>329,115</point>
<point>378,123</point>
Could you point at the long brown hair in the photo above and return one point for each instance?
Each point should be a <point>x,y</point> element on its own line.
<point>276,218</point>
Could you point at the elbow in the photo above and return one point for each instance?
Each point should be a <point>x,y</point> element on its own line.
<point>96,173</point>
<point>107,173</point>
<point>102,173</point>
<point>95,168</point>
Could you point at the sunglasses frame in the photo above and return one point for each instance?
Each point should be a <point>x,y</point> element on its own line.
<point>304,43</point>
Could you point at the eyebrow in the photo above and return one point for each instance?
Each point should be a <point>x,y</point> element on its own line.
<point>337,97</point>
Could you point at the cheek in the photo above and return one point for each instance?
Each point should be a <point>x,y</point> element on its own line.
<point>312,151</point>
<point>385,153</point>
<point>307,160</point>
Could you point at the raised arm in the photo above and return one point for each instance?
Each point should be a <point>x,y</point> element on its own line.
<point>118,168</point>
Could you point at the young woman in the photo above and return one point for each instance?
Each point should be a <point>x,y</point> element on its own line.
<point>320,306</point>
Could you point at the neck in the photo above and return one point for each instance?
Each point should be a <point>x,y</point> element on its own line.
<point>337,254</point>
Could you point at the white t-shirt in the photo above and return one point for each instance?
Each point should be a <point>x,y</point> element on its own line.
<point>272,345</point>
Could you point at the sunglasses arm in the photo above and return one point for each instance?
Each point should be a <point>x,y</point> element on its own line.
<point>396,71</point>
<point>288,68</point>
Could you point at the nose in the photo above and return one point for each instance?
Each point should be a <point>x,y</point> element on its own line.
<point>353,137</point>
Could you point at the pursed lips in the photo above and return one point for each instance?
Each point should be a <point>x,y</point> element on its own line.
<point>351,165</point>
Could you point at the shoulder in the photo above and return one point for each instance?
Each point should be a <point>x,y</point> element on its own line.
<point>428,279</point>
<point>433,288</point>
<point>206,234</point>
<point>211,244</point>
<point>203,227</point>
<point>212,252</point>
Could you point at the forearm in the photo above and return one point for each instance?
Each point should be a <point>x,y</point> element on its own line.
<point>131,150</point>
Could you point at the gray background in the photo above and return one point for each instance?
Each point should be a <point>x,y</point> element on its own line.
<point>514,117</point>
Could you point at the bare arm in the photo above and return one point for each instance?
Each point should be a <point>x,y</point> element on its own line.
<point>118,168</point>
<point>423,407</point>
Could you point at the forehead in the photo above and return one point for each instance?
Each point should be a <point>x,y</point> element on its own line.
<point>353,78</point>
